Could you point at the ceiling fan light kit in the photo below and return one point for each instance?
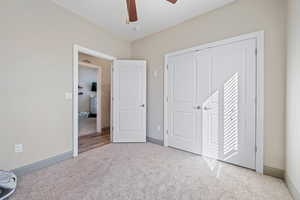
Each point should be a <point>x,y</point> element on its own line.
<point>132,11</point>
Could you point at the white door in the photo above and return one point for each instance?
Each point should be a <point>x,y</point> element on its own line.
<point>230,109</point>
<point>129,101</point>
<point>211,102</point>
<point>182,103</point>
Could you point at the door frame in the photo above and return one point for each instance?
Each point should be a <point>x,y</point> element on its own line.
<point>259,36</point>
<point>76,50</point>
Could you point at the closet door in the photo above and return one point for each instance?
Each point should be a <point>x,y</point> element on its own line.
<point>204,64</point>
<point>182,103</point>
<point>229,113</point>
<point>211,102</point>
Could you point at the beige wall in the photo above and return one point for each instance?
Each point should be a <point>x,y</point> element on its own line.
<point>37,40</point>
<point>242,17</point>
<point>105,87</point>
<point>293,95</point>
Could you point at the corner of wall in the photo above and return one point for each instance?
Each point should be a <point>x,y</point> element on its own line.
<point>292,188</point>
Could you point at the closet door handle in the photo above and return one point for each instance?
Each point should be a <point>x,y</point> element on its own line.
<point>197,107</point>
<point>207,108</point>
<point>143,105</point>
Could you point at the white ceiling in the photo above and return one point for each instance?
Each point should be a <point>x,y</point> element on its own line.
<point>154,15</point>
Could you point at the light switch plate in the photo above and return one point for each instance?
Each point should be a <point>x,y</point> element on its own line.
<point>68,96</point>
<point>18,148</point>
<point>158,128</point>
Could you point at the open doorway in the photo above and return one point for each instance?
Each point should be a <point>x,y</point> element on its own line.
<point>94,93</point>
<point>124,118</point>
<point>92,99</point>
<point>93,102</point>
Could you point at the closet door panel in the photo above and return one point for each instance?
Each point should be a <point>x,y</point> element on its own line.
<point>233,78</point>
<point>182,92</point>
<point>204,62</point>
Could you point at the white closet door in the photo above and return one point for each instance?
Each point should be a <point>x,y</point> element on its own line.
<point>182,103</point>
<point>229,113</point>
<point>211,102</point>
<point>204,62</point>
<point>129,101</point>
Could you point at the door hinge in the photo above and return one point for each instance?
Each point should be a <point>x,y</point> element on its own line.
<point>255,149</point>
<point>167,132</point>
<point>167,99</point>
<point>112,69</point>
<point>256,52</point>
<point>167,67</point>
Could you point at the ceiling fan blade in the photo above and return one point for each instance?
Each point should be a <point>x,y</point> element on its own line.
<point>132,13</point>
<point>172,1</point>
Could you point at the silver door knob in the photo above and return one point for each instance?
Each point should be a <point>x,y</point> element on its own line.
<point>206,108</point>
<point>143,105</point>
<point>197,107</point>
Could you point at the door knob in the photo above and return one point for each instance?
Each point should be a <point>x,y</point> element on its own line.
<point>197,107</point>
<point>206,108</point>
<point>143,105</point>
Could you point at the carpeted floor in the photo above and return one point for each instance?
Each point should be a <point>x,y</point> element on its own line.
<point>147,172</point>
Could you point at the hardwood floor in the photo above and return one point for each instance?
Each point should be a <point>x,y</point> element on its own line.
<point>94,140</point>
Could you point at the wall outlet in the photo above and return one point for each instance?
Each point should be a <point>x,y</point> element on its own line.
<point>18,148</point>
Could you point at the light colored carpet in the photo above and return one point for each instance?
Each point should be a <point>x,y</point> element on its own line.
<point>147,172</point>
<point>87,126</point>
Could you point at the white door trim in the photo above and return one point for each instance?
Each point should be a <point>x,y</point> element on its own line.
<point>76,50</point>
<point>259,36</point>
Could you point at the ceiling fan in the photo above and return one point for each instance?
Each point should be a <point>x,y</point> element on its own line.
<point>132,13</point>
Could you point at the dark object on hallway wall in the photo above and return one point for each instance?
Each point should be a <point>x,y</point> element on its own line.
<point>94,87</point>
<point>92,115</point>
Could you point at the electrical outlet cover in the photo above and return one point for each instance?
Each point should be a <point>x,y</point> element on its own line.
<point>18,148</point>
